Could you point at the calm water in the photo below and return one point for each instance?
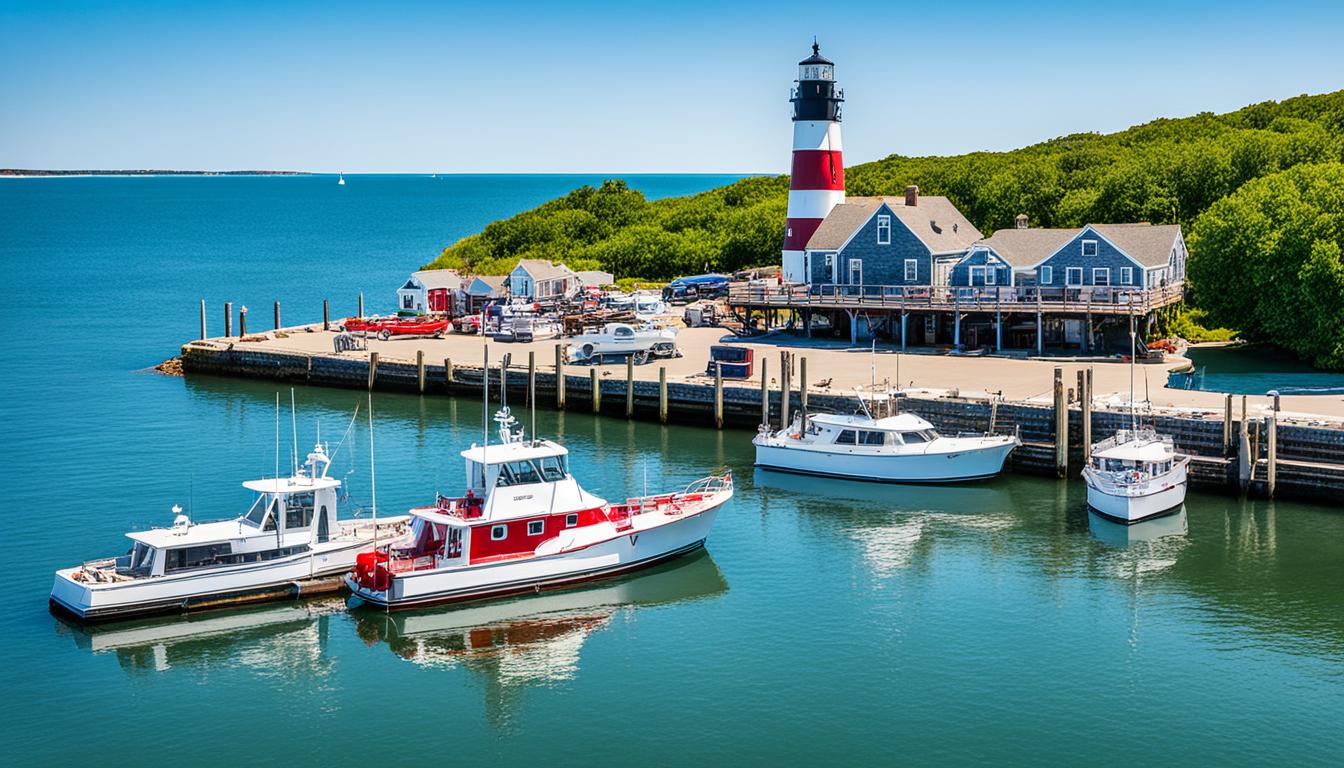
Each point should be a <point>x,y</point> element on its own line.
<point>827,620</point>
<point>1255,370</point>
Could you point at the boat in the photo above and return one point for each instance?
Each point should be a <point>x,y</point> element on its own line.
<point>525,524</point>
<point>895,449</point>
<point>624,339</point>
<point>340,181</point>
<point>526,328</point>
<point>1135,474</point>
<point>287,543</point>
<point>648,305</point>
<point>387,327</point>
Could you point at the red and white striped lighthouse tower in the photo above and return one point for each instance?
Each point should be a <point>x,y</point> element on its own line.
<point>818,177</point>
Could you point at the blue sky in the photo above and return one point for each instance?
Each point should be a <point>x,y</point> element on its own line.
<point>617,87</point>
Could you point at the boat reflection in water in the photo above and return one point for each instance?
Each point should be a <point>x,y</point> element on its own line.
<point>890,521</point>
<point>534,639</point>
<point>1140,549</point>
<point>286,638</point>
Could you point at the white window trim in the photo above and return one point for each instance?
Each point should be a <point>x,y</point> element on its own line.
<point>1068,277</point>
<point>1047,275</point>
<point>884,226</point>
<point>851,265</point>
<point>1126,275</point>
<point>911,265</point>
<point>1099,272</point>
<point>1095,249</point>
<point>991,275</point>
<point>974,270</point>
<point>531,523</point>
<point>499,529</point>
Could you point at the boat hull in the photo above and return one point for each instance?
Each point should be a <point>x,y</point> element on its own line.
<point>1130,505</point>
<point>611,557</point>
<point>944,467</point>
<point>308,573</point>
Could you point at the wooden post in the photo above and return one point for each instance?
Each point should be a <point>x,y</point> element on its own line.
<point>629,386</point>
<point>361,307</point>
<point>718,395</point>
<point>228,319</point>
<point>1085,406</point>
<point>784,366</point>
<point>531,378</point>
<point>420,370</point>
<point>662,393</point>
<point>802,391</point>
<point>1040,325</point>
<point>203,319</point>
<point>277,314</point>
<point>1245,461</point>
<point>1227,425</point>
<point>1061,426</point>
<point>596,390</point>
<point>242,321</point>
<point>373,368</point>
<point>448,371</point>
<point>326,315</point>
<point>1272,439</point>
<point>559,377</point>
<point>765,394</point>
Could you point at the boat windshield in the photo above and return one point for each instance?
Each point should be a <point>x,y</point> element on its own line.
<point>546,469</point>
<point>912,438</point>
<point>257,514</point>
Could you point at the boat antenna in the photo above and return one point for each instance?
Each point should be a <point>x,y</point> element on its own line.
<point>277,435</point>
<point>1132,347</point>
<point>896,397</point>
<point>373,490</point>
<point>532,403</point>
<point>485,399</point>
<point>872,366</point>
<point>294,430</point>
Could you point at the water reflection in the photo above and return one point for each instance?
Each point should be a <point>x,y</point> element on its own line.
<point>287,639</point>
<point>1143,548</point>
<point>533,640</point>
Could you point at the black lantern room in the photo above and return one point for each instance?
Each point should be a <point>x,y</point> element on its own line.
<point>816,97</point>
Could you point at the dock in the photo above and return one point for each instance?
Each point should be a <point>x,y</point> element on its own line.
<point>1238,444</point>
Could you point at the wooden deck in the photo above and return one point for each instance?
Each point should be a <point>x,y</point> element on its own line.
<point>1113,300</point>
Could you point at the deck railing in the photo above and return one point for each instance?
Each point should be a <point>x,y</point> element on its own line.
<point>1113,299</point>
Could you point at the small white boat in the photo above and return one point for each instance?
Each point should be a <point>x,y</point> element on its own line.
<point>340,181</point>
<point>649,305</point>
<point>1136,474</point>
<point>526,525</point>
<point>896,449</point>
<point>625,339</point>
<point>290,537</point>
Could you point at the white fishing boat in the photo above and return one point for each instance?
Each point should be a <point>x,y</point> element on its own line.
<point>340,179</point>
<point>1136,474</point>
<point>525,524</point>
<point>288,543</point>
<point>896,449</point>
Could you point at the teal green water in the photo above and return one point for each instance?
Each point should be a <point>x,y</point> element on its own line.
<point>827,622</point>
<point>1256,370</point>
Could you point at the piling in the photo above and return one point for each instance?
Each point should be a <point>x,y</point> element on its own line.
<point>373,368</point>
<point>784,390</point>
<point>596,392</point>
<point>203,336</point>
<point>1244,462</point>
<point>765,394</point>
<point>718,395</point>
<point>361,307</point>
<point>1227,425</point>
<point>629,386</point>
<point>228,319</point>
<point>531,380</point>
<point>326,315</point>
<point>1085,402</point>
<point>420,370</point>
<point>662,394</point>
<point>802,390</point>
<point>448,370</point>
<point>1061,426</point>
<point>559,377</point>
<point>277,314</point>
<point>1272,440</point>
<point>242,321</point>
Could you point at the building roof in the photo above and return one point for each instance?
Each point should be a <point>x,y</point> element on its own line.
<point>493,282</point>
<point>816,57</point>
<point>595,277</point>
<point>1148,244</point>
<point>935,221</point>
<point>541,269</point>
<point>439,278</point>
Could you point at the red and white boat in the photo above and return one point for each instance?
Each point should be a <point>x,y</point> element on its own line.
<point>387,327</point>
<point>525,525</point>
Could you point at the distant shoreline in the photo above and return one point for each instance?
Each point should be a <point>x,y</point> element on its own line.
<point>24,173</point>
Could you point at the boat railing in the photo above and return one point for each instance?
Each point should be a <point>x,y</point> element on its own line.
<point>668,503</point>
<point>461,507</point>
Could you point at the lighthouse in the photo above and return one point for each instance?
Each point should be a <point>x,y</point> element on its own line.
<point>818,177</point>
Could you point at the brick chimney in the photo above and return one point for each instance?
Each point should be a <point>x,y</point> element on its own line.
<point>911,196</point>
<point>1021,221</point>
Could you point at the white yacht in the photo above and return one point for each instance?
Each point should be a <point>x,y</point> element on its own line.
<point>1136,474</point>
<point>286,544</point>
<point>897,449</point>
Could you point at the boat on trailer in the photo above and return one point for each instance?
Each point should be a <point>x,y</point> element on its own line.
<point>289,542</point>
<point>525,524</point>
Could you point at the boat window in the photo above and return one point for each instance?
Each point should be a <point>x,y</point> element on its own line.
<point>197,557</point>
<point>536,527</point>
<point>571,520</point>
<point>499,532</point>
<point>847,437</point>
<point>258,511</point>
<point>553,468</point>
<point>912,438</point>
<point>323,527</point>
<point>518,473</point>
<point>140,561</point>
<point>871,438</point>
<point>298,511</point>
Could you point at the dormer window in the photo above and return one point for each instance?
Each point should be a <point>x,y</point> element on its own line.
<point>884,230</point>
<point>1089,248</point>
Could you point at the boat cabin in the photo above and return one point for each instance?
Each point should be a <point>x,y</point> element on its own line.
<point>287,516</point>
<point>899,430</point>
<point>1142,451</point>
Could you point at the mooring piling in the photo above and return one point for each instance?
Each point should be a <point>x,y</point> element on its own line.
<point>532,381</point>
<point>1061,426</point>
<point>277,314</point>
<point>1272,441</point>
<point>718,395</point>
<point>326,315</point>
<point>662,394</point>
<point>448,370</point>
<point>629,386</point>
<point>559,377</point>
<point>596,387</point>
<point>203,336</point>
<point>765,393</point>
<point>242,321</point>
<point>802,391</point>
<point>373,368</point>
<point>361,307</point>
<point>228,319</point>
<point>420,370</point>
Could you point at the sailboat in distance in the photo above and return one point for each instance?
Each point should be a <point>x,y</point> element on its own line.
<point>340,180</point>
<point>1135,474</point>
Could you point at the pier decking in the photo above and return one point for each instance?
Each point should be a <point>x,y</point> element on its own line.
<point>1109,300</point>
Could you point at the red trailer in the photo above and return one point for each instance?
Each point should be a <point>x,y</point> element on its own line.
<point>387,327</point>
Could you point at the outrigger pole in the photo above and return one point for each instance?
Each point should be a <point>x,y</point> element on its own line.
<point>373,492</point>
